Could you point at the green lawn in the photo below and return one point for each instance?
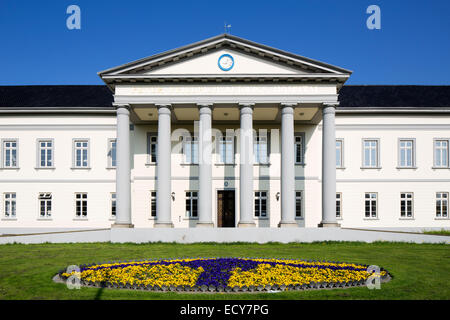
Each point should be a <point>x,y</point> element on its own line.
<point>420,271</point>
<point>442,232</point>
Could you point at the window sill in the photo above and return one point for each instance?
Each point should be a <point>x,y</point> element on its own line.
<point>268,164</point>
<point>45,168</point>
<point>260,218</point>
<point>80,219</point>
<point>341,168</point>
<point>299,218</point>
<point>111,168</point>
<point>340,219</point>
<point>112,219</point>
<point>440,168</point>
<point>406,168</point>
<point>10,168</point>
<point>370,168</point>
<point>150,164</point>
<point>189,219</point>
<point>370,219</point>
<point>152,218</point>
<point>444,218</point>
<point>301,164</point>
<point>80,168</point>
<point>406,218</point>
<point>44,219</point>
<point>225,164</point>
<point>9,219</point>
<point>188,164</point>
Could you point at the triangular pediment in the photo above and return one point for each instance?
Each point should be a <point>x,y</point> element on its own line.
<point>208,64</point>
<point>202,61</point>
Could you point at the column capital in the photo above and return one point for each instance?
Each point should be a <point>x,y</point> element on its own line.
<point>246,104</point>
<point>331,104</point>
<point>288,104</point>
<point>205,108</point>
<point>287,110</point>
<point>121,105</point>
<point>205,104</point>
<point>123,110</point>
<point>329,110</point>
<point>163,105</point>
<point>164,109</point>
<point>246,108</point>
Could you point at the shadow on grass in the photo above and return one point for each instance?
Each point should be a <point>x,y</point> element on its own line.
<point>99,294</point>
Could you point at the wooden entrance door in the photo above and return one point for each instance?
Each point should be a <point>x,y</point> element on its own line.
<point>225,209</point>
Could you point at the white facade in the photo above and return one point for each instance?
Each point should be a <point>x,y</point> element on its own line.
<point>265,81</point>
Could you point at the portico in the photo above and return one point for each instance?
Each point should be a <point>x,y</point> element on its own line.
<point>264,87</point>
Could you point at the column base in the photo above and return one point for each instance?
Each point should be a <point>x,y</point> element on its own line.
<point>204,225</point>
<point>163,225</point>
<point>122,225</point>
<point>287,225</point>
<point>329,225</point>
<point>246,225</point>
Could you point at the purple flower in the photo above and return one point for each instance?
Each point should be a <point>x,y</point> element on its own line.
<point>217,271</point>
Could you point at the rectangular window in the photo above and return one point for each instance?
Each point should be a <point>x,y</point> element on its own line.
<point>406,205</point>
<point>152,144</point>
<point>338,205</point>
<point>81,205</point>
<point>406,153</point>
<point>10,205</point>
<point>298,204</point>
<point>191,204</point>
<point>190,149</point>
<point>371,205</point>
<point>10,153</point>
<point>339,153</point>
<point>113,205</point>
<point>261,147</point>
<point>45,153</point>
<point>112,154</point>
<point>299,148</point>
<point>260,204</point>
<point>441,153</point>
<point>153,203</point>
<point>81,156</point>
<point>442,205</point>
<point>226,149</point>
<point>45,205</point>
<point>370,153</point>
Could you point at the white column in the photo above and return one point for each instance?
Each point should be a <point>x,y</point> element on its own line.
<point>163,174</point>
<point>123,174</point>
<point>328,167</point>
<point>287,167</point>
<point>246,167</point>
<point>204,172</point>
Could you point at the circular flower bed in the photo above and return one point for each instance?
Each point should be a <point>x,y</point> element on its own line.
<point>223,274</point>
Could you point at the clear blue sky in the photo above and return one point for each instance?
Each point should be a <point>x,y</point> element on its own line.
<point>412,47</point>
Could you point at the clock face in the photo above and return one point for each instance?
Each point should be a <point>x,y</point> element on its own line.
<point>226,62</point>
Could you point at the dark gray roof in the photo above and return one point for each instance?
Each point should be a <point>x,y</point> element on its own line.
<point>56,96</point>
<point>351,97</point>
<point>394,96</point>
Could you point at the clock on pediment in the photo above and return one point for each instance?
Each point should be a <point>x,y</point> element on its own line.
<point>226,62</point>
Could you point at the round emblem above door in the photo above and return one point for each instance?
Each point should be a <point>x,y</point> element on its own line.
<point>226,62</point>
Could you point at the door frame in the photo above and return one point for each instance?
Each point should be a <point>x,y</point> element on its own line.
<point>217,204</point>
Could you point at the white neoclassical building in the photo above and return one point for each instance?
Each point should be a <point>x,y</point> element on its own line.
<point>224,132</point>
